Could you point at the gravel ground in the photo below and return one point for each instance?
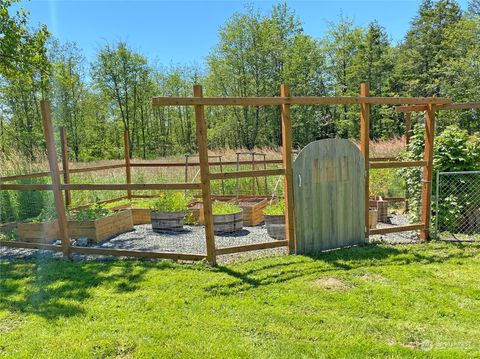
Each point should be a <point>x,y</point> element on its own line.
<point>395,238</point>
<point>192,240</point>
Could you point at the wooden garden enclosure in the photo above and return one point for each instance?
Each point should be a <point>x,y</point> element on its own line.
<point>284,101</point>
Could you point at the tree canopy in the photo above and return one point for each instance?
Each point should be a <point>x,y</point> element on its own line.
<point>255,53</point>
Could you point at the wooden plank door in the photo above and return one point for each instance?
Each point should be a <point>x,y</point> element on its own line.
<point>329,196</point>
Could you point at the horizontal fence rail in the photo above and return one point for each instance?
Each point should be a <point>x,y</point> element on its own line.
<point>277,101</point>
<point>398,164</point>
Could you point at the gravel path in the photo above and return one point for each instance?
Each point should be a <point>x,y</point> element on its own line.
<point>192,240</point>
<point>395,238</point>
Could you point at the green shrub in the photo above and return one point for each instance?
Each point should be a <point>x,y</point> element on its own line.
<point>275,208</point>
<point>454,150</point>
<point>169,201</point>
<point>7,208</point>
<point>225,208</point>
<point>91,213</point>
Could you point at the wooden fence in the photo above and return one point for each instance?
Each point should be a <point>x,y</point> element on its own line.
<point>284,101</point>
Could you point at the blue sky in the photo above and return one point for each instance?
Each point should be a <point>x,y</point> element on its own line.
<point>186,31</point>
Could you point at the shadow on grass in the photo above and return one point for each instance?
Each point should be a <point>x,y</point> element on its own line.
<point>338,260</point>
<point>54,288</point>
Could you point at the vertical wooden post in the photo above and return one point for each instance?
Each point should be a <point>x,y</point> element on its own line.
<point>288,165</point>
<point>365,148</point>
<point>408,127</point>
<point>205,175</point>
<point>408,133</point>
<point>428,171</point>
<point>65,165</point>
<point>128,172</point>
<point>55,176</point>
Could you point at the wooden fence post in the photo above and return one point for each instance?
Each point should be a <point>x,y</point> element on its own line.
<point>65,165</point>
<point>128,171</point>
<point>55,176</point>
<point>408,127</point>
<point>288,165</point>
<point>428,171</point>
<point>205,175</point>
<point>365,148</point>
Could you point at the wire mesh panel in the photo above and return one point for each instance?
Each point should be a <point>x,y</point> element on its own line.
<point>457,212</point>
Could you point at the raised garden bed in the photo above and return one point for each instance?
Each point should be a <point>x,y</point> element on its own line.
<point>41,232</point>
<point>275,226</point>
<point>102,228</point>
<point>253,210</point>
<point>228,223</point>
<point>227,217</point>
<point>167,221</point>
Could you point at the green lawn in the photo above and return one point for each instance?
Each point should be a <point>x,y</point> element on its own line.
<point>375,301</point>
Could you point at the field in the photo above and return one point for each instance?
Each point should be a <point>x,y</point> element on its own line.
<point>374,301</point>
<point>27,204</point>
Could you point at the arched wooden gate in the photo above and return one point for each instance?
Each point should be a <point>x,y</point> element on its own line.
<point>329,195</point>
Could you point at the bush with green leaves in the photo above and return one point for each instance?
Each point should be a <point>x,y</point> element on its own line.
<point>91,213</point>
<point>170,201</point>
<point>454,150</point>
<point>225,208</point>
<point>275,209</point>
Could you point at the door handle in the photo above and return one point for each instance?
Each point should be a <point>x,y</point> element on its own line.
<point>299,180</point>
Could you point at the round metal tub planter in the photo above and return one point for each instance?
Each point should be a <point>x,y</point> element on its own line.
<point>228,223</point>
<point>275,226</point>
<point>167,221</point>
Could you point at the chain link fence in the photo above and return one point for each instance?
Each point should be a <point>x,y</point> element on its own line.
<point>457,210</point>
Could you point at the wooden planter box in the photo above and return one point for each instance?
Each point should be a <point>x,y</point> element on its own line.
<point>275,226</point>
<point>228,223</point>
<point>372,218</point>
<point>139,215</point>
<point>167,221</point>
<point>103,228</point>
<point>253,210</point>
<point>8,227</point>
<point>43,232</point>
<point>381,206</point>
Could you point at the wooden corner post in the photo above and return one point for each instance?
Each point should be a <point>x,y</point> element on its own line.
<point>55,176</point>
<point>65,165</point>
<point>428,171</point>
<point>365,148</point>
<point>128,171</point>
<point>205,175</point>
<point>288,165</point>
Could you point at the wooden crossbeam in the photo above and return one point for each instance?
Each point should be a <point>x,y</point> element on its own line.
<point>252,173</point>
<point>251,247</point>
<point>409,227</point>
<point>132,186</point>
<point>287,100</point>
<point>397,164</point>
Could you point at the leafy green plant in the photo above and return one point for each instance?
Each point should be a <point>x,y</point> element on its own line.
<point>91,213</point>
<point>45,215</point>
<point>170,202</point>
<point>225,208</point>
<point>454,150</point>
<point>274,209</point>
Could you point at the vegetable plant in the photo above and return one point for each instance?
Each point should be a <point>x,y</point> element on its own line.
<point>274,209</point>
<point>225,208</point>
<point>91,213</point>
<point>170,202</point>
